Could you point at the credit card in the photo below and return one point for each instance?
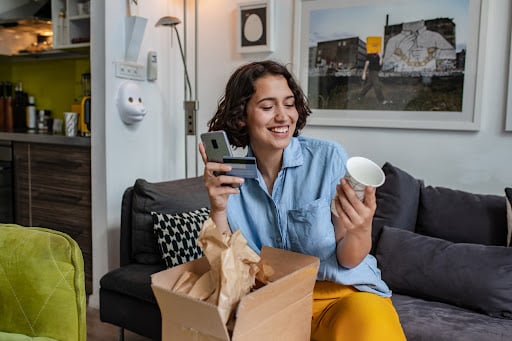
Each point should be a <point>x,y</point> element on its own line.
<point>242,167</point>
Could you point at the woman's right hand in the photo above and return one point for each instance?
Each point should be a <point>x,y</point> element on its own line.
<point>219,187</point>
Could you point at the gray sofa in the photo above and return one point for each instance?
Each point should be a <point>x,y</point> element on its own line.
<point>441,251</point>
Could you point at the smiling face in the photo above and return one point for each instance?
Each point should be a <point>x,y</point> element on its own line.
<point>271,115</point>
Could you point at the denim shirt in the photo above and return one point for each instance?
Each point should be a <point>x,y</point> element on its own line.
<point>297,216</point>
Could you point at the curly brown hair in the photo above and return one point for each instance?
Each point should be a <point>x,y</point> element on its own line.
<point>232,107</point>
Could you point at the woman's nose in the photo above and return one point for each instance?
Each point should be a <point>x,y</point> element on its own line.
<point>279,112</point>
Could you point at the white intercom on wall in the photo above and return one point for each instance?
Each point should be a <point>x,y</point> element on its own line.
<point>152,66</point>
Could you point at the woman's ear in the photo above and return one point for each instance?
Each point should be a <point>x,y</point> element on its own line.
<point>242,123</point>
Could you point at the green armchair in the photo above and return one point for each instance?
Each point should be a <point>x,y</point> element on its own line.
<point>42,288</point>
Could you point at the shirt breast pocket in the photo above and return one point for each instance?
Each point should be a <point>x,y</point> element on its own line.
<point>310,230</point>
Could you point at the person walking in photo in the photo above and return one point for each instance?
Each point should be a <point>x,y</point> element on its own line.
<point>372,66</point>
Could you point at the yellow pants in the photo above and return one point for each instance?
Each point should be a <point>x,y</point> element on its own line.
<point>342,312</point>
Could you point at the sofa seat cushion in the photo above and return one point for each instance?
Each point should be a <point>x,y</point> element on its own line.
<point>428,320</point>
<point>472,276</point>
<point>462,217</point>
<point>132,280</point>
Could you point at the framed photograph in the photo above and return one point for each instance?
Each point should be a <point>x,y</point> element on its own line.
<point>508,118</point>
<point>255,26</point>
<point>389,63</point>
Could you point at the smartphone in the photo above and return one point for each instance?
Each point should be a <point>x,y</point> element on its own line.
<point>216,145</point>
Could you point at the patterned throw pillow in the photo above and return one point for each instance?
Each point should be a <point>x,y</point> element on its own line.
<point>508,195</point>
<point>177,235</point>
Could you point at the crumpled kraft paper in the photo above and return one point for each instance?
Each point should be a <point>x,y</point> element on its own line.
<point>234,268</point>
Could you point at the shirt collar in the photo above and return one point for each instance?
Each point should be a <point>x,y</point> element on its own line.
<point>292,154</point>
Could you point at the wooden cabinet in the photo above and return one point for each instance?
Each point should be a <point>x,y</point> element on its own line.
<point>71,21</point>
<point>52,189</point>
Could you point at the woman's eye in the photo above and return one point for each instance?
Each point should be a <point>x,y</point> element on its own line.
<point>269,107</point>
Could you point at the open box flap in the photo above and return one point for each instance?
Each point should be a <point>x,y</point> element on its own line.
<point>293,322</point>
<point>183,310</point>
<point>294,278</point>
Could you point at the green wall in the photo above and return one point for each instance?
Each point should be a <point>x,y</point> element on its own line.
<point>55,84</point>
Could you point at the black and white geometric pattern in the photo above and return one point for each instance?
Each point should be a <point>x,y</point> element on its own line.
<point>177,235</point>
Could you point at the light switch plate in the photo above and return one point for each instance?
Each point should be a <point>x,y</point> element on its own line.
<point>130,71</point>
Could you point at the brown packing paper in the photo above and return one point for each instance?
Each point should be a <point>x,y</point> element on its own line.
<point>234,268</point>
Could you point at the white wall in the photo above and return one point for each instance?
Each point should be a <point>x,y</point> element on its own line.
<point>473,161</point>
<point>151,149</point>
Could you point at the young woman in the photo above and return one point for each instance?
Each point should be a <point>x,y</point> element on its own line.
<point>288,205</point>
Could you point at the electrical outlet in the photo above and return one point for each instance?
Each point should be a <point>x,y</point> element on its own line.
<point>130,71</point>
<point>190,117</point>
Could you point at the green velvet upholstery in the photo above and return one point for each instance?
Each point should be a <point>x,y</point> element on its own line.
<point>42,287</point>
<point>21,337</point>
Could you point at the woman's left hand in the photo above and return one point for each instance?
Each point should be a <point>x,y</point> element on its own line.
<point>355,214</point>
<point>353,226</point>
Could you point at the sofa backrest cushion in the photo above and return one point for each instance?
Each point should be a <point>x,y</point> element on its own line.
<point>169,197</point>
<point>462,217</point>
<point>397,200</point>
<point>468,275</point>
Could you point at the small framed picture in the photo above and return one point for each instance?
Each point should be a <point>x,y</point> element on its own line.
<point>255,26</point>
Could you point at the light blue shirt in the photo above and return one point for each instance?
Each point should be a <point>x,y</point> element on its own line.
<point>297,216</point>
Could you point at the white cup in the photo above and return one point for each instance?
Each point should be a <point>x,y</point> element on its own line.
<point>361,172</point>
<point>71,123</point>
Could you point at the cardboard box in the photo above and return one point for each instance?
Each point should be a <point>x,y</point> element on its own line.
<point>280,310</point>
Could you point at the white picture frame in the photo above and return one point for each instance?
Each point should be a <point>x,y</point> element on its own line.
<point>508,113</point>
<point>255,26</point>
<point>466,118</point>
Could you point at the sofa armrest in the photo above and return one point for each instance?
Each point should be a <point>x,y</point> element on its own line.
<point>125,248</point>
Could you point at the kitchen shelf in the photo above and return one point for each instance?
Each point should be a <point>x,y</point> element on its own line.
<point>80,17</point>
<point>73,30</point>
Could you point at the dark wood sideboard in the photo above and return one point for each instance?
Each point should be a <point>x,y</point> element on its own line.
<point>52,189</point>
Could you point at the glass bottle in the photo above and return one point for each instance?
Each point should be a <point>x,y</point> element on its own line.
<point>62,28</point>
<point>31,114</point>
